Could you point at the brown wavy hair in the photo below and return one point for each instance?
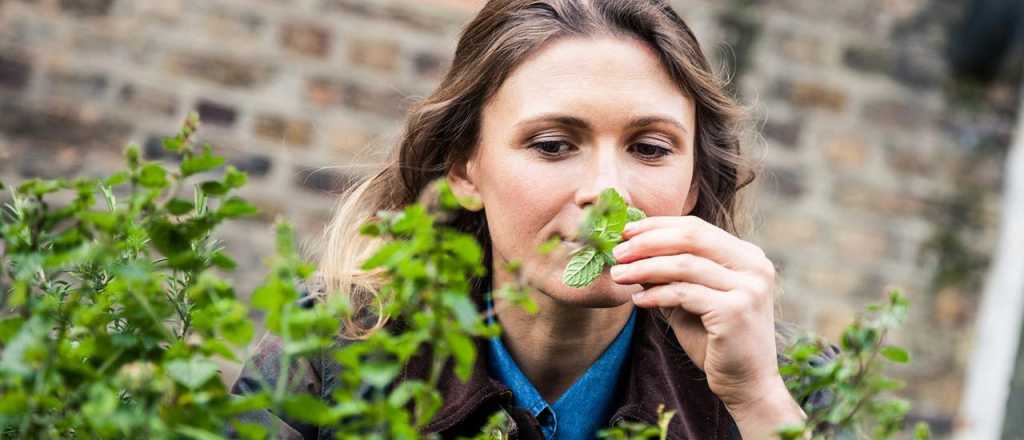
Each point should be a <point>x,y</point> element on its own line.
<point>444,129</point>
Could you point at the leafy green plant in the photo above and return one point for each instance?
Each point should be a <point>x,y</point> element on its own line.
<point>853,385</point>
<point>114,309</point>
<point>600,232</point>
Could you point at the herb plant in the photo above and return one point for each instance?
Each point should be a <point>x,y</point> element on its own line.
<point>115,310</point>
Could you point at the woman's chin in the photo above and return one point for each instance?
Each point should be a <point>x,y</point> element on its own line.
<point>603,292</point>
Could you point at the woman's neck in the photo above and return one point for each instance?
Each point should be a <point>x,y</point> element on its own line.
<point>557,344</point>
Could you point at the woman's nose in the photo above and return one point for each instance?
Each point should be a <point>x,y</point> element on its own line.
<point>605,173</point>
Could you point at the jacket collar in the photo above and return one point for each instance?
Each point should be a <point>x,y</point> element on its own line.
<point>657,371</point>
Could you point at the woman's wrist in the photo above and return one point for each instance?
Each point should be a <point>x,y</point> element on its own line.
<point>769,408</point>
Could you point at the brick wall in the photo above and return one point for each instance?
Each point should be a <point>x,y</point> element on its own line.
<point>880,169</point>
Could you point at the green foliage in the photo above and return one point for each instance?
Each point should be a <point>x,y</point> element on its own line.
<point>113,314</point>
<point>600,231</point>
<point>853,383</point>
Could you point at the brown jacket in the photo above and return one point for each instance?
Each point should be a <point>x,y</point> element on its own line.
<point>656,371</point>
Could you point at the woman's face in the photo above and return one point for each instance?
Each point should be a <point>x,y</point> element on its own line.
<point>578,116</point>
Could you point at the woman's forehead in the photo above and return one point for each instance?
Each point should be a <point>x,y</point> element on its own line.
<point>591,78</point>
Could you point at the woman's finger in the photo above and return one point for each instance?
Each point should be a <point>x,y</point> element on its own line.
<point>694,298</point>
<point>671,268</point>
<point>671,235</point>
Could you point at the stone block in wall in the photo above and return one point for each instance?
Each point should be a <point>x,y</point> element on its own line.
<point>306,38</point>
<point>812,95</point>
<point>787,183</point>
<point>407,15</point>
<point>228,71</point>
<point>785,133</point>
<point>846,152</point>
<point>861,195</point>
<point>216,113</point>
<point>895,113</point>
<point>277,128</point>
<point>63,124</point>
<point>86,8</point>
<point>15,71</point>
<point>374,53</point>
<point>330,92</point>
<point>79,85</point>
<point>429,65</point>
<point>146,99</point>
<point>323,179</point>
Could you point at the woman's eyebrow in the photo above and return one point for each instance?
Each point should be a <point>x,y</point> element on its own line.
<point>582,124</point>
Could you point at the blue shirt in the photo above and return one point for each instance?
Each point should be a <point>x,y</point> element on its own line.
<point>583,409</point>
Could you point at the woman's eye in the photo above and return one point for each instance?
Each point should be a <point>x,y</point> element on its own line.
<point>649,151</point>
<point>551,148</point>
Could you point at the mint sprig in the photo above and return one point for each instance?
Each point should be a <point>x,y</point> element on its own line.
<point>600,231</point>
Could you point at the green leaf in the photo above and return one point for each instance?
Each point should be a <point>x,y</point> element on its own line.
<point>633,214</point>
<point>307,408</point>
<point>153,176</point>
<point>178,206</point>
<point>895,354</point>
<point>249,431</point>
<point>584,267</point>
<point>464,352</point>
<point>201,162</point>
<point>197,434</point>
<point>192,373</point>
<point>214,188</point>
<point>236,207</point>
<point>233,178</point>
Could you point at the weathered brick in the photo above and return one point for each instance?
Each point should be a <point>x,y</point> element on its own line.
<point>802,48</point>
<point>868,59</point>
<point>785,133</point>
<point>221,69</point>
<point>148,99</point>
<point>86,8</point>
<point>861,244</point>
<point>216,113</point>
<point>306,38</point>
<point>76,84</point>
<point>15,72</point>
<point>430,65</point>
<point>859,195</point>
<point>62,125</point>
<point>378,54</point>
<point>808,94</point>
<point>282,129</point>
<point>404,15</point>
<point>846,151</point>
<point>322,180</point>
<point>894,113</point>
<point>787,183</point>
<point>328,92</point>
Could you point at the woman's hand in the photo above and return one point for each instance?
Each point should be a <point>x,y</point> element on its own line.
<point>716,291</point>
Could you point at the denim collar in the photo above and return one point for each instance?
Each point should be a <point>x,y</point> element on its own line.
<point>583,408</point>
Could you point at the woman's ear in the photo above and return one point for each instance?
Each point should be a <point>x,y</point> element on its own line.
<point>461,180</point>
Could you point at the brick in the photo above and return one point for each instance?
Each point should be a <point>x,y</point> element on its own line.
<point>322,180</point>
<point>15,72</point>
<point>148,99</point>
<point>801,48</point>
<point>860,244</point>
<point>787,230</point>
<point>256,165</point>
<point>787,183</point>
<point>216,113</point>
<point>306,39</point>
<point>808,94</point>
<point>86,8</point>
<point>848,152</point>
<point>785,133</point>
<point>346,139</point>
<point>80,85</point>
<point>430,65</point>
<point>63,125</point>
<point>281,129</point>
<point>858,195</point>
<point>868,59</point>
<point>377,54</point>
<point>329,92</point>
<point>415,19</point>
<point>224,70</point>
<point>894,113</point>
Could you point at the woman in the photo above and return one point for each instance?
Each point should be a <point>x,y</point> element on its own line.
<point>546,104</point>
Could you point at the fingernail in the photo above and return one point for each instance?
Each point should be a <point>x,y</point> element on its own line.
<point>620,250</point>
<point>629,227</point>
<point>639,295</point>
<point>617,271</point>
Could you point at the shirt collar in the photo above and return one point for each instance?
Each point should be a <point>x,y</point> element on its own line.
<point>585,405</point>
